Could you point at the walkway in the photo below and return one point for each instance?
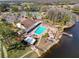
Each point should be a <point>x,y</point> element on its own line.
<point>5,52</point>
<point>38,42</point>
<point>35,50</point>
<point>0,49</point>
<point>26,54</point>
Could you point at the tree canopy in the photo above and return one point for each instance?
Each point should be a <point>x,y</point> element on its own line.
<point>31,7</point>
<point>14,8</point>
<point>5,30</point>
<point>59,15</point>
<point>4,7</point>
<point>75,9</point>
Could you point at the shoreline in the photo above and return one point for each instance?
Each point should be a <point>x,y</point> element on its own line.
<point>52,47</point>
<point>69,27</point>
<point>49,51</point>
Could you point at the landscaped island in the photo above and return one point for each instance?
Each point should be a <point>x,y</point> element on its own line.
<point>30,30</point>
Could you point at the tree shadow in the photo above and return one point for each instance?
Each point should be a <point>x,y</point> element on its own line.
<point>18,46</point>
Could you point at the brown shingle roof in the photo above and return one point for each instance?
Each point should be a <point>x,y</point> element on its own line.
<point>27,23</point>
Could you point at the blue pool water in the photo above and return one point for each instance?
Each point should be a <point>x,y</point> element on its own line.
<point>40,30</point>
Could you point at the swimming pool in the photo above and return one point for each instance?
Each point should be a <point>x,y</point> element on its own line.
<point>40,30</point>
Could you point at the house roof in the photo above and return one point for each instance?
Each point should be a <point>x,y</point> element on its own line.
<point>20,26</point>
<point>30,40</point>
<point>28,23</point>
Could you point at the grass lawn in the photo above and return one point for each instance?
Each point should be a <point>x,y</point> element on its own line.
<point>31,55</point>
<point>17,53</point>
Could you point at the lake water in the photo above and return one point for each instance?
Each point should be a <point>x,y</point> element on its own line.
<point>69,46</point>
